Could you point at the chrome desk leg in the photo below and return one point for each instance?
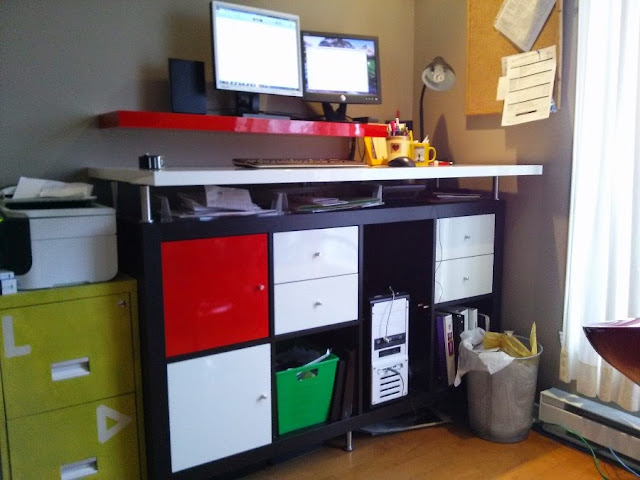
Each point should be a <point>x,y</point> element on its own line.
<point>496,193</point>
<point>114,195</point>
<point>349,442</point>
<point>145,204</point>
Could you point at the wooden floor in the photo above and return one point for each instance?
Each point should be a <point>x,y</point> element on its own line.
<point>442,452</point>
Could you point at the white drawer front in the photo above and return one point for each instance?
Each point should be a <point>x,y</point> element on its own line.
<point>319,253</point>
<point>315,303</point>
<point>459,237</point>
<point>463,277</point>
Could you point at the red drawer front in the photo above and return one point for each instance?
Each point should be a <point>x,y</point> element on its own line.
<point>215,292</point>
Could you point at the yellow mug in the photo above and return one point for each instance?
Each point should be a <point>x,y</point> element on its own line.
<point>422,154</point>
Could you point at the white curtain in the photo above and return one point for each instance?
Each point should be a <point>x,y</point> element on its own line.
<point>603,258</point>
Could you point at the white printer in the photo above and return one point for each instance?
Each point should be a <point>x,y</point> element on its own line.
<point>50,244</point>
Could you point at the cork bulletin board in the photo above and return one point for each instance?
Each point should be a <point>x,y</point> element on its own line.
<point>486,47</point>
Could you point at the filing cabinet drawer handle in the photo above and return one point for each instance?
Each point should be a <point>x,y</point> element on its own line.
<point>122,303</point>
<point>317,303</point>
<point>79,469</point>
<point>263,396</point>
<point>316,254</point>
<point>261,288</point>
<point>78,367</point>
<point>467,237</point>
<point>465,278</point>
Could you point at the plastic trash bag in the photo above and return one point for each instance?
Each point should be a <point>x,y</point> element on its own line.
<point>510,344</point>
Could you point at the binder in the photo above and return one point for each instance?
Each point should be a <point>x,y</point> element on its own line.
<point>440,370</point>
<point>473,318</point>
<point>338,389</point>
<point>446,345</point>
<point>349,392</point>
<point>464,312</point>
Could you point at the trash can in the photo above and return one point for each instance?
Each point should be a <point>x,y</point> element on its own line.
<point>500,405</point>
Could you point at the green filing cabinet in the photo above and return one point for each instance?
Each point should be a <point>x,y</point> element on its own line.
<point>70,376</point>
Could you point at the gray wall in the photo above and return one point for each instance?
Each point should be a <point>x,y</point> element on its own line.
<point>65,62</point>
<point>537,207</point>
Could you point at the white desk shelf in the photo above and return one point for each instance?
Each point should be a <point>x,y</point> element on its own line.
<point>176,177</point>
<point>173,177</point>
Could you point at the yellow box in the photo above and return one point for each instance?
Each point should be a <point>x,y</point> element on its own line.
<point>375,151</point>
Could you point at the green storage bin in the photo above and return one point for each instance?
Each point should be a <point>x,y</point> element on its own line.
<point>304,394</point>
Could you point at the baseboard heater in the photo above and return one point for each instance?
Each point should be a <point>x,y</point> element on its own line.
<point>599,424</point>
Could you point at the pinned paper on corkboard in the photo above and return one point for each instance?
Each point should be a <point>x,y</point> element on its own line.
<point>486,47</point>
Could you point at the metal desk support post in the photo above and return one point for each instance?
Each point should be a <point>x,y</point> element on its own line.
<point>145,204</point>
<point>114,194</point>
<point>349,442</point>
<point>496,192</point>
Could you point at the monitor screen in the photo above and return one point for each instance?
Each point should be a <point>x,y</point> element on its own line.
<point>255,50</point>
<point>341,68</point>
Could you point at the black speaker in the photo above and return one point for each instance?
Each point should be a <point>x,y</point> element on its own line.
<point>186,82</point>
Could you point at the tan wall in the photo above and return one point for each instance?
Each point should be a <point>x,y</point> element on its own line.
<point>537,207</point>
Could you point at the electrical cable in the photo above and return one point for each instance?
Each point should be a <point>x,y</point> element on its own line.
<point>624,465</point>
<point>438,263</point>
<point>613,453</point>
<point>584,440</point>
<point>393,370</point>
<point>386,328</point>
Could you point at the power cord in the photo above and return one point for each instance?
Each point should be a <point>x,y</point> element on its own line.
<point>386,326</point>
<point>624,465</point>
<point>393,370</point>
<point>593,453</point>
<point>438,263</point>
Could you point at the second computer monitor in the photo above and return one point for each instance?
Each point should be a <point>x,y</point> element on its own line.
<point>340,68</point>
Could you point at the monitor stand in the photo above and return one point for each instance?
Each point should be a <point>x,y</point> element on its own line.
<point>247,104</point>
<point>337,115</point>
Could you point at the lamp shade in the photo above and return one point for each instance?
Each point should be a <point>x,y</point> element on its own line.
<point>439,75</point>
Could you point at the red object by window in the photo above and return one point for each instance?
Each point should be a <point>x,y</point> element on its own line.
<point>215,292</point>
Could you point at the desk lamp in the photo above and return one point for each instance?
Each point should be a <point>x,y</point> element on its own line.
<point>439,76</point>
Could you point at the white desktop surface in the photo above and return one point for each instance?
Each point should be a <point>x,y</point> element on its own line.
<point>168,177</point>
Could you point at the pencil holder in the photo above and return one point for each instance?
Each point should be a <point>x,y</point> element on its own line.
<point>398,146</point>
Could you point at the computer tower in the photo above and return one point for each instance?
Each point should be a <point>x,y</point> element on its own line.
<point>187,85</point>
<point>389,347</point>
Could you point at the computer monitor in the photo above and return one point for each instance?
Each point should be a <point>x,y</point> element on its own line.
<point>255,51</point>
<point>340,68</point>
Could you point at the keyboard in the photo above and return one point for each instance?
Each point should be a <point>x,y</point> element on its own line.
<point>295,162</point>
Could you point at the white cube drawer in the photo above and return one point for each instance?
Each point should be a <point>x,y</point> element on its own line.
<point>459,237</point>
<point>219,405</point>
<point>318,253</point>
<point>315,303</point>
<point>463,277</point>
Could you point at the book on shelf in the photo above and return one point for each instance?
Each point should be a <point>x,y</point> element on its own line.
<point>445,348</point>
<point>470,315</point>
<point>335,412</point>
<point>344,388</point>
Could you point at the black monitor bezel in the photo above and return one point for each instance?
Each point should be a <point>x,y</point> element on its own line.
<point>341,97</point>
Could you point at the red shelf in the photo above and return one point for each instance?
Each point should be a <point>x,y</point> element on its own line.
<point>188,121</point>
